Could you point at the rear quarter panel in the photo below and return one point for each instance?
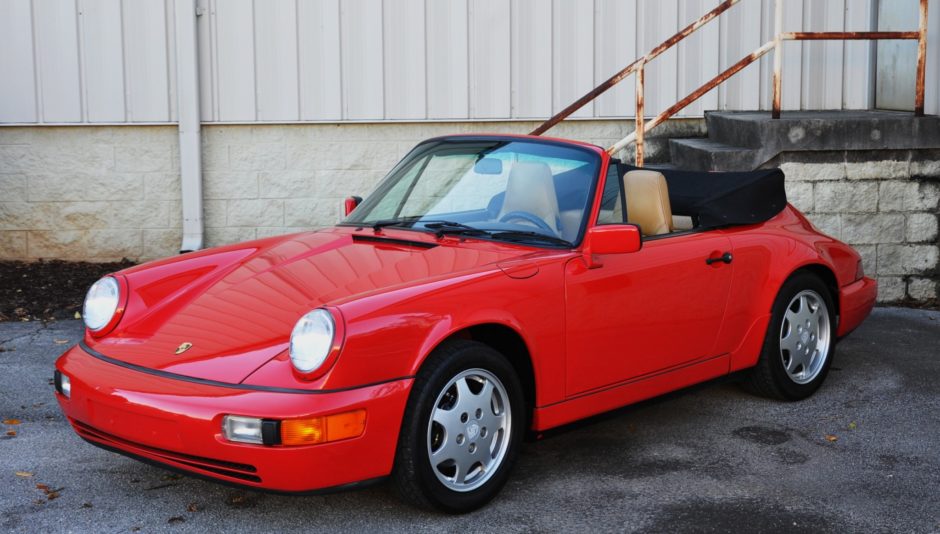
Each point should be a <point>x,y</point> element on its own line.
<point>765,256</point>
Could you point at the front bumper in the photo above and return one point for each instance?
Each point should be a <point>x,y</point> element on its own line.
<point>178,424</point>
<point>856,301</point>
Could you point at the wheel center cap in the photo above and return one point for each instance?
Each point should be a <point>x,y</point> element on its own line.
<point>472,430</point>
<point>804,337</point>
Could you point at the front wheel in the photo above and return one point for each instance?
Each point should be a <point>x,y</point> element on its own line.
<point>462,428</point>
<point>800,341</point>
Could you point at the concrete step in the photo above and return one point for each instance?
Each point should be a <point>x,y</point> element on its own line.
<point>745,140</point>
<point>704,154</point>
<point>732,129</point>
<point>825,130</point>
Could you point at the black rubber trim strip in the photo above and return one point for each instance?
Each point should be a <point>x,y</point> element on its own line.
<point>631,381</point>
<point>57,379</point>
<point>392,240</point>
<point>210,478</point>
<point>216,383</point>
<point>179,456</point>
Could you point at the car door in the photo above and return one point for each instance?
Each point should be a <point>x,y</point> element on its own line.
<point>647,311</point>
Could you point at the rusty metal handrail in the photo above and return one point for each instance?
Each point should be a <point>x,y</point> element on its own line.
<point>638,67</point>
<point>632,67</point>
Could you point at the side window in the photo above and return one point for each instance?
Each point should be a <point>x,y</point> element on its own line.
<point>612,200</point>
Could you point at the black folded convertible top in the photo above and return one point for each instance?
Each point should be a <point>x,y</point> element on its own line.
<point>716,199</point>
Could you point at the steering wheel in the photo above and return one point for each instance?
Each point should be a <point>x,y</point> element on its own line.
<point>526,216</point>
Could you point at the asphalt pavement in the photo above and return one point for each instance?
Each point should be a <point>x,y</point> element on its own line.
<point>862,455</point>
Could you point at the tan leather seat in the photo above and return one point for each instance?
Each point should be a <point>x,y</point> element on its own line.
<point>648,202</point>
<point>531,189</point>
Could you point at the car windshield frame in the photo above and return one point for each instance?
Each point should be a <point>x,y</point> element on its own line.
<point>594,162</point>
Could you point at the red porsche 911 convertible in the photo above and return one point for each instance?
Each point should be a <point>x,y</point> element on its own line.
<point>491,287</point>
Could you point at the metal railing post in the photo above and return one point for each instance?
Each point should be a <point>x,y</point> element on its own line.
<point>640,110</point>
<point>921,61</point>
<point>778,58</point>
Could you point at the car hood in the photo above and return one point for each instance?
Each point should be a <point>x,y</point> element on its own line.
<point>235,307</point>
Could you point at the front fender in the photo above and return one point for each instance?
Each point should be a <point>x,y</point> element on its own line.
<point>391,335</point>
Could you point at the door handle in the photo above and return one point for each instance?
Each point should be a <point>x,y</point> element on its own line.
<point>726,257</point>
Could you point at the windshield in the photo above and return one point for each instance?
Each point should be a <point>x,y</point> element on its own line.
<point>503,189</point>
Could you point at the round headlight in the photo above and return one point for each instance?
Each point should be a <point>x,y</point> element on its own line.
<point>101,303</point>
<point>312,340</point>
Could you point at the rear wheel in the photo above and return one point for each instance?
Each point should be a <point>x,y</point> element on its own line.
<point>800,341</point>
<point>462,429</point>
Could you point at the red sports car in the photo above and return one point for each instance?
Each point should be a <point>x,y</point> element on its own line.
<point>492,287</point>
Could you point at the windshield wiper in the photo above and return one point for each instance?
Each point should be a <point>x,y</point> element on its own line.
<point>451,227</point>
<point>519,235</point>
<point>444,227</point>
<point>400,221</point>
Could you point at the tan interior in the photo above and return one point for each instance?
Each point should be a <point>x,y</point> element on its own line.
<point>531,189</point>
<point>648,202</point>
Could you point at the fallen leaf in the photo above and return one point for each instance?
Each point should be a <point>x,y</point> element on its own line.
<point>193,507</point>
<point>78,315</point>
<point>172,476</point>
<point>61,341</point>
<point>11,421</point>
<point>24,474</point>
<point>87,505</point>
<point>176,519</point>
<point>831,438</point>
<point>52,495</point>
<point>42,487</point>
<point>11,433</point>
<point>852,425</point>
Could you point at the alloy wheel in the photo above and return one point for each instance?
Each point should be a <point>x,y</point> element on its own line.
<point>805,336</point>
<point>469,430</point>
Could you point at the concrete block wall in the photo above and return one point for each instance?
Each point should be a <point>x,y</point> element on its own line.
<point>884,203</point>
<point>267,180</point>
<point>103,193</point>
<point>89,193</point>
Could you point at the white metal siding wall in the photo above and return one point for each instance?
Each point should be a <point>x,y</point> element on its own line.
<point>93,61</point>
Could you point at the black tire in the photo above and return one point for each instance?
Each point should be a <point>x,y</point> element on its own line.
<point>413,474</point>
<point>769,378</point>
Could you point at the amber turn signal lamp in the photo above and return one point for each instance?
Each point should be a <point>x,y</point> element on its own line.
<point>323,429</point>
